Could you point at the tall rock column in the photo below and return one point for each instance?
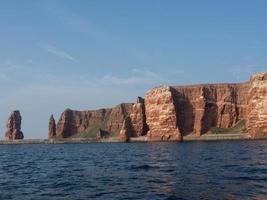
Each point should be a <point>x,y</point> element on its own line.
<point>13,126</point>
<point>126,130</point>
<point>52,128</point>
<point>257,106</point>
<point>138,118</point>
<point>161,114</point>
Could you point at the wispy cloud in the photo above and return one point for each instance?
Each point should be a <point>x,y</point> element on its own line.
<point>59,52</point>
<point>243,71</point>
<point>132,80</point>
<point>136,77</point>
<point>13,66</point>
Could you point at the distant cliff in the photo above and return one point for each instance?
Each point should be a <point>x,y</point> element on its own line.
<point>171,112</point>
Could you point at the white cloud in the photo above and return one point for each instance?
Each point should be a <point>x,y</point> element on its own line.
<point>59,53</point>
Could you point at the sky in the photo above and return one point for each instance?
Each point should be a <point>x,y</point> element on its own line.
<point>83,55</point>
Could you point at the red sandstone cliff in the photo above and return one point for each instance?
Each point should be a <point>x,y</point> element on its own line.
<point>104,122</point>
<point>14,126</point>
<point>168,113</point>
<point>201,107</point>
<point>257,106</point>
<point>89,123</point>
<point>161,115</point>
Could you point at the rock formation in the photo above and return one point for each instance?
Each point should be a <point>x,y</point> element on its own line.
<point>52,128</point>
<point>137,119</point>
<point>161,114</point>
<point>13,126</point>
<point>257,106</point>
<point>200,107</point>
<point>88,123</point>
<point>126,130</point>
<point>171,112</point>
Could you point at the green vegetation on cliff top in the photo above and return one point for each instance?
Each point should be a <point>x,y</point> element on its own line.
<point>239,127</point>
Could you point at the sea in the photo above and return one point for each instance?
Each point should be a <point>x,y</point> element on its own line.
<point>187,170</point>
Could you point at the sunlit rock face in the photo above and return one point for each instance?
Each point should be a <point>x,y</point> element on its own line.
<point>14,126</point>
<point>135,124</point>
<point>126,130</point>
<point>257,106</point>
<point>138,118</point>
<point>194,109</point>
<point>161,115</point>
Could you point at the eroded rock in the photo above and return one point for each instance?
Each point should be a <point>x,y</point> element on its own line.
<point>257,106</point>
<point>14,127</point>
<point>161,115</point>
<point>88,123</point>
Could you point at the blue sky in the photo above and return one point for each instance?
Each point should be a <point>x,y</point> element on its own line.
<point>90,54</point>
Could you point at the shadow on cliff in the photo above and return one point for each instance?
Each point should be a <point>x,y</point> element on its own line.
<point>210,115</point>
<point>184,113</point>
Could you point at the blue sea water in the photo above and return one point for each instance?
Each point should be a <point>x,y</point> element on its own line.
<point>190,170</point>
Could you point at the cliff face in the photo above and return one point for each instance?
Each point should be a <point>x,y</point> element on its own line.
<point>198,108</point>
<point>201,107</point>
<point>14,126</point>
<point>257,106</point>
<point>169,113</point>
<point>104,122</point>
<point>134,124</point>
<point>89,123</point>
<point>161,115</point>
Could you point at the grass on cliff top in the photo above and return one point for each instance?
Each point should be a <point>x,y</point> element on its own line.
<point>239,127</point>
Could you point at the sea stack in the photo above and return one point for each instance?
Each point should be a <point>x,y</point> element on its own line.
<point>52,128</point>
<point>14,127</point>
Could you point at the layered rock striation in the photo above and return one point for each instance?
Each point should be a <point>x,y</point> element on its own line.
<point>13,126</point>
<point>104,123</point>
<point>257,106</point>
<point>171,112</point>
<point>201,107</point>
<point>161,118</point>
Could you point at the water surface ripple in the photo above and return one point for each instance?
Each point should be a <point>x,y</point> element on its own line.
<point>193,170</point>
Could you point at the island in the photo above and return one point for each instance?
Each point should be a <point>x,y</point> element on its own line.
<point>169,113</point>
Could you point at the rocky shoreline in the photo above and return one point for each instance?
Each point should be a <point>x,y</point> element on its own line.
<point>144,139</point>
